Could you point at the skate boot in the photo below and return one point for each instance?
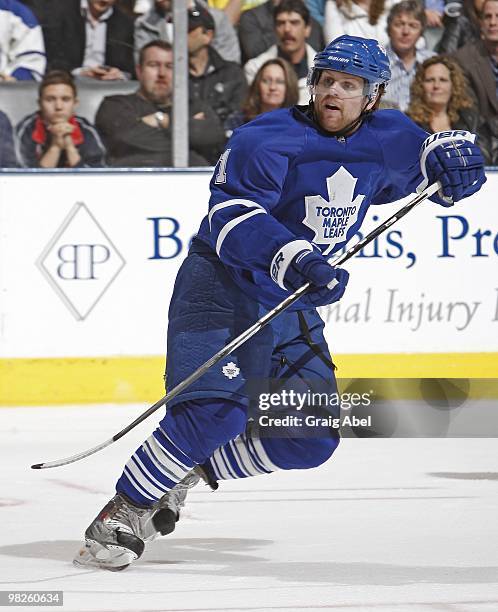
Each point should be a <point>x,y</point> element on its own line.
<point>117,535</point>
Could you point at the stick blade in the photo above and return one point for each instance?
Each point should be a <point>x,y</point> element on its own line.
<point>73,458</point>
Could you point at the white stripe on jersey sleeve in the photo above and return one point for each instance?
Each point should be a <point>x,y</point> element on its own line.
<point>233,223</point>
<point>235,202</point>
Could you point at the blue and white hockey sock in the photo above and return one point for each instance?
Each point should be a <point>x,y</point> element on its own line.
<point>242,457</point>
<point>153,470</point>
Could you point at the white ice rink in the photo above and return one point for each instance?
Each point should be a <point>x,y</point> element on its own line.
<point>401,525</point>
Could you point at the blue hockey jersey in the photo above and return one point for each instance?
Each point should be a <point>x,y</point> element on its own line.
<point>282,181</point>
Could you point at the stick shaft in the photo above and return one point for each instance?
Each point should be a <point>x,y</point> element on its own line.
<point>249,333</point>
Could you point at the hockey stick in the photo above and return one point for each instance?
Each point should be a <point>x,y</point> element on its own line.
<point>232,346</point>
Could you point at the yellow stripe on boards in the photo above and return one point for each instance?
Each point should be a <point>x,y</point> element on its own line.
<point>33,382</point>
<point>80,380</point>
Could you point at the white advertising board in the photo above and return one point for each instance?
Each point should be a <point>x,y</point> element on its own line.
<point>88,263</point>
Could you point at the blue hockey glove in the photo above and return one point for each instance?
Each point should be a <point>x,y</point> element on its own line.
<point>291,270</point>
<point>453,159</point>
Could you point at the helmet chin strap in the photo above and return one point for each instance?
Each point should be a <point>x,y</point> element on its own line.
<point>346,130</point>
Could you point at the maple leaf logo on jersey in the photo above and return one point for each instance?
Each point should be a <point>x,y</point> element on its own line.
<point>331,220</point>
<point>230,370</point>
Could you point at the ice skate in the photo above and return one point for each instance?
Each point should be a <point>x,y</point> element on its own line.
<point>118,534</point>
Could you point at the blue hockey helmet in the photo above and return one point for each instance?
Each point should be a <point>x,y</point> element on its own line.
<point>362,57</point>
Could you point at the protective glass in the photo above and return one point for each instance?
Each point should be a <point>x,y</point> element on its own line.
<point>343,89</point>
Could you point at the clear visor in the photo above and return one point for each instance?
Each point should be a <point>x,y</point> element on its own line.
<point>343,89</point>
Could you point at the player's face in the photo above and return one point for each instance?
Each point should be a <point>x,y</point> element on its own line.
<point>272,87</point>
<point>404,32</point>
<point>489,21</point>
<point>338,99</point>
<point>437,86</point>
<point>291,32</point>
<point>57,103</point>
<point>156,75</point>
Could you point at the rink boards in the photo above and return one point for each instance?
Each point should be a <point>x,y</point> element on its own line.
<point>88,261</point>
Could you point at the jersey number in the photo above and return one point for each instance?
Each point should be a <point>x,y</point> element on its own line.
<point>221,176</point>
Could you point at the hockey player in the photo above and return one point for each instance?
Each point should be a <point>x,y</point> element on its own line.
<point>291,188</point>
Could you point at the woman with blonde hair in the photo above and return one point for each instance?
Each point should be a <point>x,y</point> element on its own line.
<point>274,86</point>
<point>440,101</point>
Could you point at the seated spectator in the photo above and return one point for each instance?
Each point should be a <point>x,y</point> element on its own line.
<point>136,128</point>
<point>439,98</point>
<point>479,60</point>
<point>54,137</point>
<point>292,28</point>
<point>440,101</point>
<point>157,24</point>
<point>7,152</point>
<point>216,87</point>
<point>22,51</point>
<point>366,18</point>
<point>405,26</point>
<point>274,86</point>
<point>257,31</point>
<point>461,27</point>
<point>93,39</point>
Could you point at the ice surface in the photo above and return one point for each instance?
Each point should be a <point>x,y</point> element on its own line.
<point>394,525</point>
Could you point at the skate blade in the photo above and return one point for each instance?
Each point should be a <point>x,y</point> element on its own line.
<point>110,557</point>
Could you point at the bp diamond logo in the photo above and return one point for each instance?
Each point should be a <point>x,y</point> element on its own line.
<point>80,262</point>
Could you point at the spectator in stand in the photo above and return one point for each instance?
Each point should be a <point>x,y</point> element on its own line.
<point>93,39</point>
<point>157,24</point>
<point>461,28</point>
<point>22,50</point>
<point>274,86</point>
<point>257,31</point>
<point>136,128</point>
<point>479,60</point>
<point>292,28</point>
<point>366,18</point>
<point>216,87</point>
<point>7,152</point>
<point>440,101</point>
<point>405,26</point>
<point>54,137</point>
